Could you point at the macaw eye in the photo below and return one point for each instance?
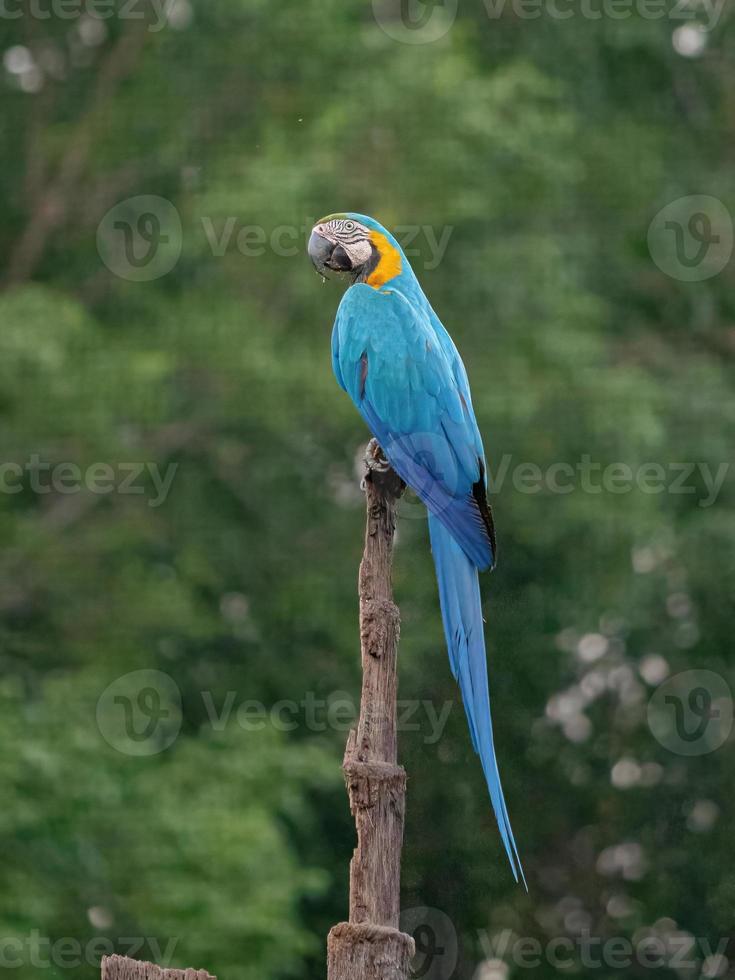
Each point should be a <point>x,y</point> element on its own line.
<point>349,225</point>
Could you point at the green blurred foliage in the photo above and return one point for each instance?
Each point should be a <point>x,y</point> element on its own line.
<point>543,148</point>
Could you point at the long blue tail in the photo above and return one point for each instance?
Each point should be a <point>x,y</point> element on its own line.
<point>459,594</point>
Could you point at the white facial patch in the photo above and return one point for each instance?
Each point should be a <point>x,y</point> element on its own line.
<point>359,252</point>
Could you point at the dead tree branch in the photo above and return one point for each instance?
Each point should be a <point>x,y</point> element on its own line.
<point>370,946</point>
<point>122,968</point>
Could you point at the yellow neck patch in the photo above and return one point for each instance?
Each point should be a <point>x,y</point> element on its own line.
<point>389,265</point>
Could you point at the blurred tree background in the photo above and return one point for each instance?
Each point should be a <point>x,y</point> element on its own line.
<point>541,148</point>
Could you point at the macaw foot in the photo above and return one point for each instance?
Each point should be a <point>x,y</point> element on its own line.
<point>375,461</point>
<point>375,458</point>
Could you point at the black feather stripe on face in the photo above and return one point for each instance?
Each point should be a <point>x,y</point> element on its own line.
<point>348,231</point>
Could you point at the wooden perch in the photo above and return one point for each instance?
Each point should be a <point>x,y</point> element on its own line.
<point>122,968</point>
<point>370,946</point>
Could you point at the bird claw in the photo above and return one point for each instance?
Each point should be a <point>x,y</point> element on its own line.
<point>375,462</point>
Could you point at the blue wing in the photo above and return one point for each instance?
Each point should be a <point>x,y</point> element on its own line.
<point>409,385</point>
<point>402,371</point>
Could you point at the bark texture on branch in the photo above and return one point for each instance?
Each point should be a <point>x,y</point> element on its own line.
<point>122,968</point>
<point>370,946</point>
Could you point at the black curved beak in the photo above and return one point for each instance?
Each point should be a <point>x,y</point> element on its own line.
<point>325,255</point>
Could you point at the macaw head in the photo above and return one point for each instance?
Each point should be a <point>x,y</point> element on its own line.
<point>356,246</point>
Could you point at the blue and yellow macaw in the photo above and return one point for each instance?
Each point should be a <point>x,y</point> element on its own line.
<point>400,367</point>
